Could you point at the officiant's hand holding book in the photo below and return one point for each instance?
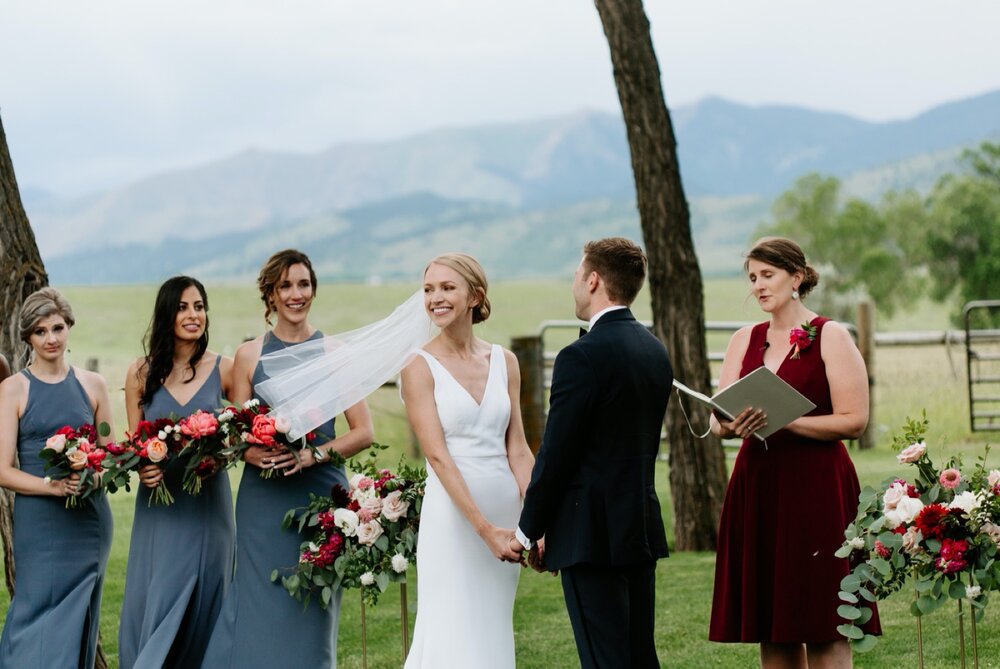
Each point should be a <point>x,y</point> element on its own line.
<point>760,403</point>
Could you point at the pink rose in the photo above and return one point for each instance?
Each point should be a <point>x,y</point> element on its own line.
<point>368,533</point>
<point>912,453</point>
<point>892,496</point>
<point>282,424</point>
<point>156,450</point>
<point>96,457</point>
<point>199,424</point>
<point>950,478</point>
<point>394,506</point>
<point>372,505</point>
<point>993,478</point>
<point>56,442</point>
<point>364,483</point>
<point>77,459</point>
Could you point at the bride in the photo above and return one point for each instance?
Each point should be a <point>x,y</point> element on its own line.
<point>462,399</point>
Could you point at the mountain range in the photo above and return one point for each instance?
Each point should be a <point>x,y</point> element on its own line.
<point>521,196</point>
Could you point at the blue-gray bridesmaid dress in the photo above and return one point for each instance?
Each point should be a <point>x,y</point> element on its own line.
<point>60,553</point>
<point>180,559</point>
<point>261,625</point>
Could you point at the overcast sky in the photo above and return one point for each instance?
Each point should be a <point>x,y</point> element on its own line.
<point>99,93</point>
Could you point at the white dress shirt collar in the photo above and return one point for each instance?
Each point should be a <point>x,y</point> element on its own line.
<point>597,316</point>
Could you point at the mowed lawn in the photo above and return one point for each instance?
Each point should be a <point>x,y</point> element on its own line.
<point>111,321</point>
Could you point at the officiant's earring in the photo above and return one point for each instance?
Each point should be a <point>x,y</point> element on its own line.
<point>795,294</point>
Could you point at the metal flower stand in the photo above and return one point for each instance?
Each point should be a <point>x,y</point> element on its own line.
<point>404,619</point>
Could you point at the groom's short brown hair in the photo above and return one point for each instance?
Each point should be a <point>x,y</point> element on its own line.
<point>620,263</point>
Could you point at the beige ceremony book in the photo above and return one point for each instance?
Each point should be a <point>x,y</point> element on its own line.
<point>761,389</point>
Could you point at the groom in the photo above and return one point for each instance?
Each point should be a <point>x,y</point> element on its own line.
<point>591,509</point>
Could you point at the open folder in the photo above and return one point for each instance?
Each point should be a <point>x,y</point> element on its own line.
<point>761,389</point>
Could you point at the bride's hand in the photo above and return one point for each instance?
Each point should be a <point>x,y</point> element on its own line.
<point>498,541</point>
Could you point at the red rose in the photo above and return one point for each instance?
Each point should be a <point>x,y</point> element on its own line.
<point>67,432</point>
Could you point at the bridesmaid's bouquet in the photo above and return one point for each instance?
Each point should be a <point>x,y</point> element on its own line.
<point>153,443</point>
<point>255,425</point>
<point>364,537</point>
<point>75,451</point>
<point>205,447</point>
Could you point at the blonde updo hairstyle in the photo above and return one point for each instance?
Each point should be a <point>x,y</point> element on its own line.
<point>42,304</point>
<point>784,254</point>
<point>470,270</point>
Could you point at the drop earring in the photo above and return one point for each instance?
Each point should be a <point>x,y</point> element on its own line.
<point>795,294</point>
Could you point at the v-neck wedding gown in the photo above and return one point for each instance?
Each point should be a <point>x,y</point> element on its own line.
<point>465,596</point>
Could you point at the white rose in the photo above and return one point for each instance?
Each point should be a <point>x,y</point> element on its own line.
<point>399,563</point>
<point>966,501</point>
<point>908,508</point>
<point>912,452</point>
<point>162,434</point>
<point>368,533</point>
<point>892,496</point>
<point>347,521</point>
<point>972,591</point>
<point>367,578</point>
<point>857,543</point>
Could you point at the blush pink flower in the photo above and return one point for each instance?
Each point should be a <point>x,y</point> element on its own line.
<point>56,442</point>
<point>950,478</point>
<point>199,424</point>
<point>156,450</point>
<point>394,506</point>
<point>912,453</point>
<point>77,459</point>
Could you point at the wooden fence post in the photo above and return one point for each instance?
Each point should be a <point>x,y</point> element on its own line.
<point>531,361</point>
<point>866,344</point>
<point>92,365</point>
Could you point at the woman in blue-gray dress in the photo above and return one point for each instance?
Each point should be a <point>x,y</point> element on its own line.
<point>181,556</point>
<point>60,554</point>
<point>261,625</point>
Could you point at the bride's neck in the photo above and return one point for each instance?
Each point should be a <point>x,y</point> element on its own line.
<point>459,340</point>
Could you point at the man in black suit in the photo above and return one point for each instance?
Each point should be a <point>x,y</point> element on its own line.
<point>591,509</point>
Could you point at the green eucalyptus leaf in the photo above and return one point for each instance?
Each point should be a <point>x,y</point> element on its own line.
<point>851,631</point>
<point>848,612</point>
<point>847,597</point>
<point>864,644</point>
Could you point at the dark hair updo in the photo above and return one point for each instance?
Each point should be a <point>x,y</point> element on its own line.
<point>784,254</point>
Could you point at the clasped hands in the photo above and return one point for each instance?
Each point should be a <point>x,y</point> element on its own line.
<point>507,548</point>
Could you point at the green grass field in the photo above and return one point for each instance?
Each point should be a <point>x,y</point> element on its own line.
<point>111,320</point>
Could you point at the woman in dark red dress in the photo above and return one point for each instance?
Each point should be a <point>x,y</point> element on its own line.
<point>789,501</point>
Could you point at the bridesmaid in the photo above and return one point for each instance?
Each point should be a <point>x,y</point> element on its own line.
<point>60,553</point>
<point>261,625</point>
<point>181,556</point>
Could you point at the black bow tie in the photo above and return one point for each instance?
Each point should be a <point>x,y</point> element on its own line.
<point>583,331</point>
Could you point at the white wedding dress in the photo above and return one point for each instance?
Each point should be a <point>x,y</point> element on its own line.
<point>465,596</point>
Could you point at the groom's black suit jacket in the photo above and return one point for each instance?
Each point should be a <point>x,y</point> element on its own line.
<point>591,493</point>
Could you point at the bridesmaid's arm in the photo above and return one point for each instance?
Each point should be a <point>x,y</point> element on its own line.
<point>13,397</point>
<point>100,401</point>
<point>418,396</point>
<point>358,437</point>
<point>518,453</point>
<point>848,379</point>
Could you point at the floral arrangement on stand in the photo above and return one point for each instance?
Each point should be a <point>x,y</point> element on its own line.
<point>364,537</point>
<point>75,451</point>
<point>940,531</point>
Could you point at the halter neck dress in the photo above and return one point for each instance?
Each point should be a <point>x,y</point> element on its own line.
<point>261,624</point>
<point>60,553</point>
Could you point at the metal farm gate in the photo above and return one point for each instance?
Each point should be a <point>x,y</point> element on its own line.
<point>982,354</point>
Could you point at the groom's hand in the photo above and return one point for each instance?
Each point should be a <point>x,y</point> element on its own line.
<point>536,557</point>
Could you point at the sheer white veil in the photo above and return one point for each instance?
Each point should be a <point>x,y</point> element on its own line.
<point>312,382</point>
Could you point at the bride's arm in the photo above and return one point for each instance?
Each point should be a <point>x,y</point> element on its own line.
<point>518,453</point>
<point>418,395</point>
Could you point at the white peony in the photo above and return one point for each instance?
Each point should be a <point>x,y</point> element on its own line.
<point>972,591</point>
<point>347,521</point>
<point>966,501</point>
<point>906,510</point>
<point>367,578</point>
<point>399,563</point>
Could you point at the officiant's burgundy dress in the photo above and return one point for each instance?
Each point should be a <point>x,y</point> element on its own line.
<point>786,508</point>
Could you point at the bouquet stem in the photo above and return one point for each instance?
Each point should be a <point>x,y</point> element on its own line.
<point>920,638</point>
<point>160,496</point>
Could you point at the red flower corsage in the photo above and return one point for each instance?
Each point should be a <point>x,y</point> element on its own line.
<point>801,339</point>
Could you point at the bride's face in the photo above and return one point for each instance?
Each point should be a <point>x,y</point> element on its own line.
<point>293,295</point>
<point>447,297</point>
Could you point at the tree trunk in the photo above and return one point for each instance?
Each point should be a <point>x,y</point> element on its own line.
<point>697,468</point>
<point>22,273</point>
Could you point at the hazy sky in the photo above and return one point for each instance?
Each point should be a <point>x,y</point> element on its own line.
<point>103,92</point>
